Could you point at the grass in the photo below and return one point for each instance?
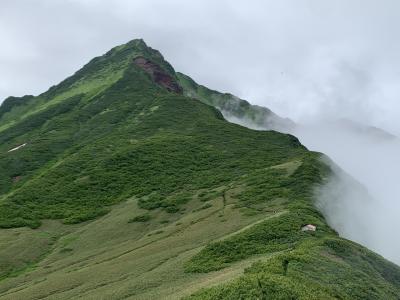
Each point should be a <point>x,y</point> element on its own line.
<point>140,218</point>
<point>115,250</point>
<point>275,234</point>
<point>313,270</point>
<point>22,248</point>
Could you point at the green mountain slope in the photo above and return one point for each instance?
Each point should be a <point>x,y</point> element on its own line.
<point>235,109</point>
<point>118,183</point>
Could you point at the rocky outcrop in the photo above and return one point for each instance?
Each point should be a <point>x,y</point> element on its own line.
<point>158,75</point>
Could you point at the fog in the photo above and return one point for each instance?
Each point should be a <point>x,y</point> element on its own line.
<point>320,63</point>
<point>297,57</point>
<point>361,201</point>
<point>373,160</point>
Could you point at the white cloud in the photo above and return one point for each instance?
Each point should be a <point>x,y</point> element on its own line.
<point>288,55</point>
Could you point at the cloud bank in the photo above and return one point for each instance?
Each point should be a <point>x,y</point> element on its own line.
<point>300,58</point>
<point>362,204</point>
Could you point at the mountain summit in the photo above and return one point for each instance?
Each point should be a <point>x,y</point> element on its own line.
<point>125,181</point>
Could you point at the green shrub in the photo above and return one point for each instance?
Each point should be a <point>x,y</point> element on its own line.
<point>140,218</point>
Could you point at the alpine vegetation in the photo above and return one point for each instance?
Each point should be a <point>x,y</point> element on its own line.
<point>125,181</point>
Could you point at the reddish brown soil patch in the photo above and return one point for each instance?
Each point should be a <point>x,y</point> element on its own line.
<point>158,75</point>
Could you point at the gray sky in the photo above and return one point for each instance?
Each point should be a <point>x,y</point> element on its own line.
<point>301,58</point>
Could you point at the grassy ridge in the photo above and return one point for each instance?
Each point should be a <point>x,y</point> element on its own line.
<point>238,110</point>
<point>131,142</point>
<point>166,197</point>
<point>302,265</point>
<point>318,268</point>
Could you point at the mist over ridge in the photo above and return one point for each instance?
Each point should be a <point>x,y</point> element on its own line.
<point>372,160</point>
<point>362,200</point>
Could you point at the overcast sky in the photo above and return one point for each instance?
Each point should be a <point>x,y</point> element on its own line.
<point>301,58</point>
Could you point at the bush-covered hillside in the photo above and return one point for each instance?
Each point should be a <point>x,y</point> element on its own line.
<point>122,188</point>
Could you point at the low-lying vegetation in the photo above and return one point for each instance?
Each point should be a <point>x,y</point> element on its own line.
<point>140,218</point>
<point>158,196</point>
<point>275,234</point>
<point>314,269</point>
<point>169,155</point>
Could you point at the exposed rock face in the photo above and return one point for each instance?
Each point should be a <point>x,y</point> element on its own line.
<point>158,75</point>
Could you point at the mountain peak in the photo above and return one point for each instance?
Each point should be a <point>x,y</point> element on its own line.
<point>138,42</point>
<point>135,46</point>
<point>108,68</point>
<point>165,195</point>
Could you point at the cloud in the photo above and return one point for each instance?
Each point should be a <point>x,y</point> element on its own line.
<point>282,54</point>
<point>362,204</point>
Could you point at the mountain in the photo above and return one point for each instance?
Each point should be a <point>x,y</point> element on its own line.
<point>234,109</point>
<point>118,183</point>
<point>256,117</point>
<point>365,131</point>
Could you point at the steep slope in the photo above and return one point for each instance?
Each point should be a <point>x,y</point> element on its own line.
<point>235,109</point>
<point>256,117</point>
<point>120,186</point>
<point>367,132</point>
